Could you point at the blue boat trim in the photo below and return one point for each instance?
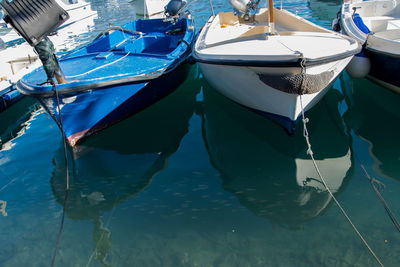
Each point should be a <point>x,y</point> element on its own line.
<point>29,90</point>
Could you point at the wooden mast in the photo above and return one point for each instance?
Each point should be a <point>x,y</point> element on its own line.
<point>271,16</point>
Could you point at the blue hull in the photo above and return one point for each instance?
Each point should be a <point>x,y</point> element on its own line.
<point>100,109</point>
<point>384,68</point>
<point>117,75</point>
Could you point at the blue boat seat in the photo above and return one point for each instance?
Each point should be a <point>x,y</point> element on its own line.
<point>151,45</point>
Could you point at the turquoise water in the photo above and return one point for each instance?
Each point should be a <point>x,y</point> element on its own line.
<point>196,180</point>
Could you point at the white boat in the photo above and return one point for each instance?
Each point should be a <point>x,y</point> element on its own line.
<point>273,62</point>
<point>18,58</point>
<point>375,25</point>
<point>149,8</point>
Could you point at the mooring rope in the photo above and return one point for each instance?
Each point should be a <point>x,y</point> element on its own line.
<point>101,238</point>
<point>378,190</point>
<point>311,153</point>
<point>373,183</point>
<point>67,175</point>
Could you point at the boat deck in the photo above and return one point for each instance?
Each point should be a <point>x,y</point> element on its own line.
<point>292,38</point>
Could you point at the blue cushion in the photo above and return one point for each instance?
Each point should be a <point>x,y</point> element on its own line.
<point>360,23</point>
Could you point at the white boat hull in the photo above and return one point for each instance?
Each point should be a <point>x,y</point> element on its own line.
<point>276,71</point>
<point>243,85</point>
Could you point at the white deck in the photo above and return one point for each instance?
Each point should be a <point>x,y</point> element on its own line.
<point>252,40</point>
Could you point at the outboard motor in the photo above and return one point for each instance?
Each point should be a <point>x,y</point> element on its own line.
<point>175,9</point>
<point>244,8</point>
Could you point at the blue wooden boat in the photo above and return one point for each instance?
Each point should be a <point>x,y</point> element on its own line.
<point>121,72</point>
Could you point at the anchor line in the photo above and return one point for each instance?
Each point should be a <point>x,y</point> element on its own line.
<point>101,237</point>
<point>60,122</point>
<point>311,154</point>
<point>373,183</point>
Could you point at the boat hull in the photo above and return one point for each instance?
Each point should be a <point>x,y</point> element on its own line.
<point>383,69</point>
<point>376,28</point>
<point>256,88</point>
<point>85,113</point>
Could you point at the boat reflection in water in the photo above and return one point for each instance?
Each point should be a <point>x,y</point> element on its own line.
<point>15,119</point>
<point>121,162</point>
<point>373,114</point>
<point>324,11</point>
<point>270,172</point>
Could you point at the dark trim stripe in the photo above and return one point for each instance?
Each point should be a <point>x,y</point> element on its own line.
<point>276,63</point>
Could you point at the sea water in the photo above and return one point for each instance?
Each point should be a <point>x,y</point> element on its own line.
<point>197,180</point>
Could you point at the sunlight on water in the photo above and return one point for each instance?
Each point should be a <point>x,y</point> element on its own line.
<point>196,180</point>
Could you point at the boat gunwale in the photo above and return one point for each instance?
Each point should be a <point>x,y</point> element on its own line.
<point>116,52</point>
<point>295,62</point>
<point>24,87</point>
<point>382,52</point>
<point>175,61</point>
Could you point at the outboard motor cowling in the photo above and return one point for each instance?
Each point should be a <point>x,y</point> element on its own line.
<point>240,5</point>
<point>175,9</point>
<point>243,8</point>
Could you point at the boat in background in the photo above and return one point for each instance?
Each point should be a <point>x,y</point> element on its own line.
<point>149,8</point>
<point>376,26</point>
<point>270,60</point>
<point>120,73</point>
<point>17,57</point>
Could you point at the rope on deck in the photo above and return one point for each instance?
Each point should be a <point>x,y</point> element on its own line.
<point>311,153</point>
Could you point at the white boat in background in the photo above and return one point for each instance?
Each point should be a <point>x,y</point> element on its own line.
<point>376,26</point>
<point>149,8</point>
<point>270,60</point>
<point>18,58</point>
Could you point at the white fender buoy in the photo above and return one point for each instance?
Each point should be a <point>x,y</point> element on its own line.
<point>359,66</point>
